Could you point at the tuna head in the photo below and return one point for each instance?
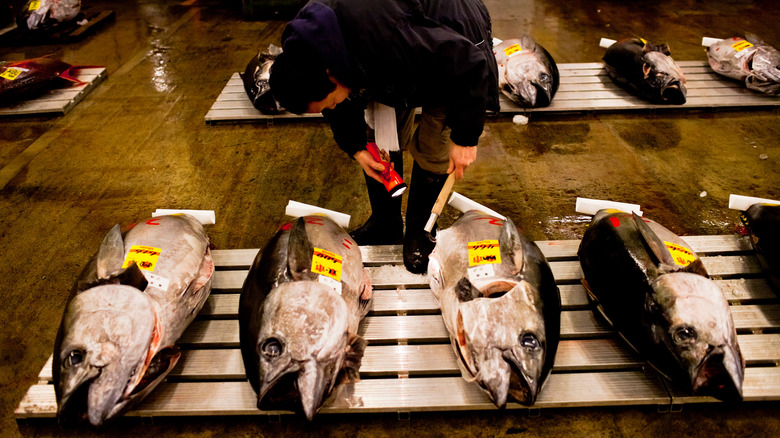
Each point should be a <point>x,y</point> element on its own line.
<point>691,319</point>
<point>501,339</point>
<point>530,74</point>
<point>101,353</point>
<point>302,345</point>
<point>662,77</point>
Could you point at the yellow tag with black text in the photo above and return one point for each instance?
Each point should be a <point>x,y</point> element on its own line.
<point>484,252</point>
<point>143,256</point>
<point>511,50</point>
<point>682,255</point>
<point>11,73</point>
<point>34,5</point>
<point>326,263</point>
<point>741,45</point>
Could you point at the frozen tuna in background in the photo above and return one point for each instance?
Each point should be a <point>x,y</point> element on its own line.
<point>763,223</point>
<point>527,74</point>
<point>44,15</point>
<point>255,79</point>
<point>26,79</point>
<point>747,59</point>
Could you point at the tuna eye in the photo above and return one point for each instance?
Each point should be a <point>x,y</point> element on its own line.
<point>271,348</point>
<point>529,341</point>
<point>685,335</point>
<point>74,358</point>
<point>544,77</point>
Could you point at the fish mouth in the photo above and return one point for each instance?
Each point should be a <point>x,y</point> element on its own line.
<point>303,388</point>
<point>673,93</point>
<point>522,387</point>
<point>72,408</point>
<point>719,375</point>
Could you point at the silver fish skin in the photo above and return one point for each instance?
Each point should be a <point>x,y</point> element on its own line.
<point>647,70</point>
<point>527,74</point>
<point>298,328</point>
<point>747,59</point>
<point>655,291</point>
<point>116,341</point>
<point>48,13</point>
<point>504,325</point>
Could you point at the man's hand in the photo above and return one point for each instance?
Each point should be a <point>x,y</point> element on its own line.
<point>369,165</point>
<point>460,158</point>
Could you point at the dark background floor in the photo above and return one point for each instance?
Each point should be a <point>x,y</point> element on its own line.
<point>139,142</point>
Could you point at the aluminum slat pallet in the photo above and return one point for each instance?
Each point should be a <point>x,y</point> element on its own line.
<point>59,101</point>
<point>410,366</point>
<point>584,87</point>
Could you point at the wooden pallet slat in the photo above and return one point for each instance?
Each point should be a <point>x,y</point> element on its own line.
<point>58,101</point>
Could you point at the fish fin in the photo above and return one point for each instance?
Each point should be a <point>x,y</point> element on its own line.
<point>353,357</point>
<point>510,241</point>
<point>754,39</point>
<point>466,291</point>
<point>299,252</point>
<point>366,294</point>
<point>131,276</point>
<point>663,258</point>
<point>110,256</point>
<point>528,43</point>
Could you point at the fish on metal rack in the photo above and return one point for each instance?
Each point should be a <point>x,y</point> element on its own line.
<point>45,15</point>
<point>647,70</point>
<point>255,79</point>
<point>132,302</point>
<point>500,304</point>
<point>747,59</point>
<point>527,74</point>
<point>654,290</point>
<point>25,79</point>
<point>763,223</point>
<point>298,315</point>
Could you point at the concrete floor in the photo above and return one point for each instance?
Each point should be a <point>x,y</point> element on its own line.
<point>139,142</point>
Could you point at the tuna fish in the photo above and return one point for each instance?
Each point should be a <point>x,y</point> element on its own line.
<point>500,304</point>
<point>747,59</point>
<point>654,289</point>
<point>646,70</point>
<point>255,78</point>
<point>298,315</point>
<point>44,15</point>
<point>527,74</point>
<point>133,301</point>
<point>25,79</point>
<point>763,223</point>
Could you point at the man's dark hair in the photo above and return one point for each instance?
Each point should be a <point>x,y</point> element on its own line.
<point>299,77</point>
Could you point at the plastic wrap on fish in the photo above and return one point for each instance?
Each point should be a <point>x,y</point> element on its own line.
<point>646,70</point>
<point>21,80</point>
<point>747,59</point>
<point>527,74</point>
<point>653,288</point>
<point>298,315</point>
<point>500,304</point>
<point>255,78</point>
<point>44,15</point>
<point>763,223</point>
<point>116,341</point>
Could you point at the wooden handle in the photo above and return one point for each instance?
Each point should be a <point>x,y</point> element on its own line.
<point>438,206</point>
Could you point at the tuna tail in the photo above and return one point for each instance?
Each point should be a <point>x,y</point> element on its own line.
<point>299,252</point>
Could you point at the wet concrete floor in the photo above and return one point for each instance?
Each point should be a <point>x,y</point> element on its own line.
<point>139,142</point>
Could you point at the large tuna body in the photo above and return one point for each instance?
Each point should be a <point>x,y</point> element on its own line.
<point>646,70</point>
<point>25,79</point>
<point>500,304</point>
<point>45,15</point>
<point>747,59</point>
<point>763,224</point>
<point>654,290</point>
<point>255,79</point>
<point>527,74</point>
<point>299,312</point>
<point>131,304</point>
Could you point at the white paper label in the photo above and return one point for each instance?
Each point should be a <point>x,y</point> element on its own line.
<point>156,280</point>
<point>481,272</point>
<point>335,285</point>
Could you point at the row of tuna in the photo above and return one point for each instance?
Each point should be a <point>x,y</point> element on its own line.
<point>307,291</point>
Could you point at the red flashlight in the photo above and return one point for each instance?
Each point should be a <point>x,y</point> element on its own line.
<point>391,179</point>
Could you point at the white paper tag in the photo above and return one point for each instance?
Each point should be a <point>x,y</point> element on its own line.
<point>481,272</point>
<point>156,280</point>
<point>385,130</point>
<point>335,285</point>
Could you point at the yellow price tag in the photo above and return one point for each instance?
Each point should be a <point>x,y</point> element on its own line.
<point>682,255</point>
<point>741,45</point>
<point>11,73</point>
<point>511,50</point>
<point>34,5</point>
<point>484,252</point>
<point>143,256</point>
<point>326,263</point>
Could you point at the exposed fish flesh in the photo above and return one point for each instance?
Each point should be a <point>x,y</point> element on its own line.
<point>44,15</point>
<point>763,223</point>
<point>655,291</point>
<point>255,78</point>
<point>500,304</point>
<point>527,74</point>
<point>133,301</point>
<point>299,312</point>
<point>646,70</point>
<point>747,59</point>
<point>25,79</point>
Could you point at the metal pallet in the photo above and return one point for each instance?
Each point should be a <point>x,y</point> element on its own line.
<point>584,87</point>
<point>59,101</point>
<point>410,366</point>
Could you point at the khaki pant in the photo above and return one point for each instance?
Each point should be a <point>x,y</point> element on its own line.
<point>428,141</point>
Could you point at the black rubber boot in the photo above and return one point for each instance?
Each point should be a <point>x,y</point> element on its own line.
<point>385,226</point>
<point>424,188</point>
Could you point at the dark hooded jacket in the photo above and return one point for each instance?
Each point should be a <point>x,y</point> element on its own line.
<point>404,54</point>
